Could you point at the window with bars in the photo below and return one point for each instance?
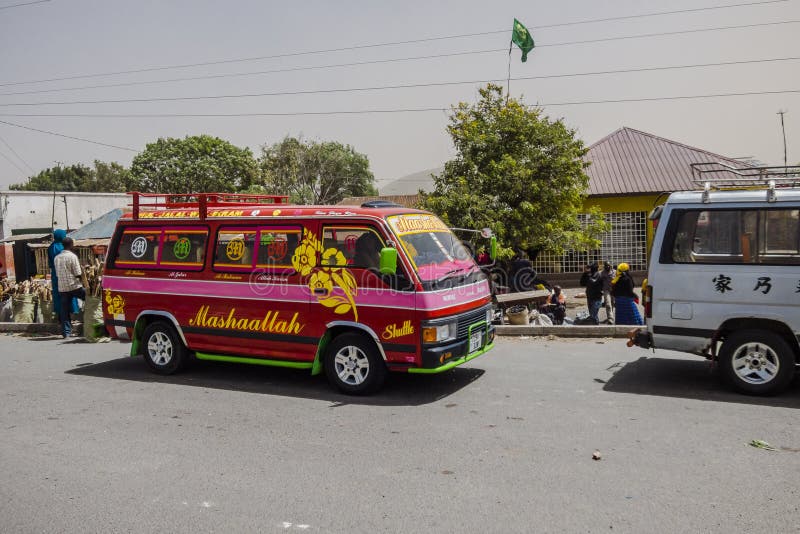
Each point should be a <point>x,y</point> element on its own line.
<point>625,241</point>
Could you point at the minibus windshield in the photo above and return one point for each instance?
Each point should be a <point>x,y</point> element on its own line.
<point>436,253</point>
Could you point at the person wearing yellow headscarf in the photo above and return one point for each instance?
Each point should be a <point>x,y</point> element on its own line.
<point>626,306</point>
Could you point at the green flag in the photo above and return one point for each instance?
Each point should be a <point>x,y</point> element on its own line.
<point>521,37</point>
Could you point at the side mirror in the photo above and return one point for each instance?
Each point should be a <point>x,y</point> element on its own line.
<point>493,248</point>
<point>388,264</point>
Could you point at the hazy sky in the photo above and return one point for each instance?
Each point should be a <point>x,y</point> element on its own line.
<point>68,38</point>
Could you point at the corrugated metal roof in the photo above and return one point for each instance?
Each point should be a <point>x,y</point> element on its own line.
<point>102,227</point>
<point>23,237</point>
<point>629,161</point>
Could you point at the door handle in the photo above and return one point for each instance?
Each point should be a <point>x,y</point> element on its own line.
<point>320,291</point>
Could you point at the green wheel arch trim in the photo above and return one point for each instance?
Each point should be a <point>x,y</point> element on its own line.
<point>255,361</point>
<point>138,330</point>
<point>316,367</point>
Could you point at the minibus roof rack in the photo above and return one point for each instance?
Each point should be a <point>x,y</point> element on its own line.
<point>200,201</point>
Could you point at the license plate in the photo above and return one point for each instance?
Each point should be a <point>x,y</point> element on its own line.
<point>475,341</point>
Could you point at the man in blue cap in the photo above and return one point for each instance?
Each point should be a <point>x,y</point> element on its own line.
<point>54,250</point>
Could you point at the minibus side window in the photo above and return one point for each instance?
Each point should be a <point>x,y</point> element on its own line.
<point>359,247</point>
<point>235,248</point>
<point>276,246</point>
<point>184,248</point>
<point>139,248</point>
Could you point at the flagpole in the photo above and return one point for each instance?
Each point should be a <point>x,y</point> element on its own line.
<point>508,81</point>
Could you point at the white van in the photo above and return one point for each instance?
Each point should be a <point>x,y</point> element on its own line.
<point>724,283</point>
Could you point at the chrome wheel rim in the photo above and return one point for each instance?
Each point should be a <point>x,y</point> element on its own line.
<point>351,365</point>
<point>755,363</point>
<point>159,348</point>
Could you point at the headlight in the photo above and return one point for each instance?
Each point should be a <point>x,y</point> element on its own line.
<point>489,316</point>
<point>436,333</point>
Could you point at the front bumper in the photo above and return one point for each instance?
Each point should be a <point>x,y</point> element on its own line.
<point>441,358</point>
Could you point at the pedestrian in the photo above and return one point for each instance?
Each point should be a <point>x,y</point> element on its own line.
<point>625,298</point>
<point>606,276</point>
<point>69,273</point>
<point>521,273</point>
<point>556,306</point>
<point>54,250</point>
<point>590,279</point>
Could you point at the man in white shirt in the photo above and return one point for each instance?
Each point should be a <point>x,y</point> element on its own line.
<point>68,270</point>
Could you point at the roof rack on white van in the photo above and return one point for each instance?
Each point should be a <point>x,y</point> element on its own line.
<point>200,201</point>
<point>719,175</point>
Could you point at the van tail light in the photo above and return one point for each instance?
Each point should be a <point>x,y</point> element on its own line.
<point>648,301</point>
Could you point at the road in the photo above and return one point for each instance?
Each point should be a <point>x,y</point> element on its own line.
<point>92,442</point>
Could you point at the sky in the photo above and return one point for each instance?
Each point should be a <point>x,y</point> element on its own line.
<point>70,39</point>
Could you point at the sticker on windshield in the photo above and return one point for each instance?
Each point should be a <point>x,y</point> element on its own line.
<point>413,223</point>
<point>138,247</point>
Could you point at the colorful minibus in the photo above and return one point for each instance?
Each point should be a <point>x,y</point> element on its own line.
<point>351,291</point>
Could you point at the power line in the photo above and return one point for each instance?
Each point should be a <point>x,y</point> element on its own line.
<point>12,163</point>
<point>679,32</point>
<point>271,71</point>
<point>400,86</point>
<point>351,64</point>
<point>24,4</point>
<point>67,136</point>
<point>378,45</point>
<point>16,154</point>
<point>367,111</point>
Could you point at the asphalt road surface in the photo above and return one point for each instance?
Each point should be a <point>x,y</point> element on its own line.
<point>92,442</point>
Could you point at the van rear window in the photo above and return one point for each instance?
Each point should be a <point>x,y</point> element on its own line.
<point>181,248</point>
<point>737,236</point>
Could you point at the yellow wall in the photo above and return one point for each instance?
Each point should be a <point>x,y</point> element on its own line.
<point>628,203</point>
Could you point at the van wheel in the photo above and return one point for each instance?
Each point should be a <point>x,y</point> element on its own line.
<point>163,350</point>
<point>354,365</point>
<point>757,362</point>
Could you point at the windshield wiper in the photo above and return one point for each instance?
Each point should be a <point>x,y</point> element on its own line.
<point>448,274</point>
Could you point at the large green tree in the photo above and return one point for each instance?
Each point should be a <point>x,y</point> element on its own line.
<point>315,173</point>
<point>103,178</point>
<point>195,164</point>
<point>517,172</point>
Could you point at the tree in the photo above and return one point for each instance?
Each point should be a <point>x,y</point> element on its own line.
<point>315,173</point>
<point>104,178</point>
<point>194,164</point>
<point>517,172</point>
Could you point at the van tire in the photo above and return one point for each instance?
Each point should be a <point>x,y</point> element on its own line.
<point>354,365</point>
<point>757,362</point>
<point>163,350</point>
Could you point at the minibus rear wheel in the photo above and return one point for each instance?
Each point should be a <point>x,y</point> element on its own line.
<point>163,350</point>
<point>757,362</point>
<point>354,365</point>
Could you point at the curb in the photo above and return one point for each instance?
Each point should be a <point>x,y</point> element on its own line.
<point>30,328</point>
<point>565,331</point>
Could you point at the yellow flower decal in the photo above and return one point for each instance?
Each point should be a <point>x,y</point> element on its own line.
<point>321,280</point>
<point>304,258</point>
<point>333,256</point>
<point>332,274</point>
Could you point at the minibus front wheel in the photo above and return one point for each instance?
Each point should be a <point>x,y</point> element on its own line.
<point>354,365</point>
<point>163,350</point>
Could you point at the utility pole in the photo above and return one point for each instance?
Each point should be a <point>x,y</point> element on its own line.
<point>783,128</point>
